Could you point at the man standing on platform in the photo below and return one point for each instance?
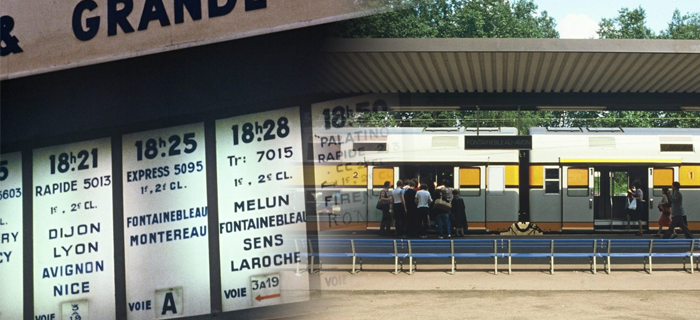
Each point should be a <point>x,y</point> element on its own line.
<point>399,210</point>
<point>677,212</point>
<point>385,200</point>
<point>423,200</point>
<point>411,209</point>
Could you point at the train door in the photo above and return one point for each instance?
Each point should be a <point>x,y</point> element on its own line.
<point>642,176</point>
<point>545,197</point>
<point>472,188</point>
<point>502,183</point>
<point>425,174</point>
<point>577,198</point>
<point>619,183</point>
<point>609,197</point>
<point>601,207</point>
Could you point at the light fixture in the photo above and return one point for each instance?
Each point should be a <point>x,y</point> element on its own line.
<point>571,108</point>
<point>689,108</point>
<point>425,108</point>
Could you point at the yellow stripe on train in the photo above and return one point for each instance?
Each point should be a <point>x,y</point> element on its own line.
<point>620,161</point>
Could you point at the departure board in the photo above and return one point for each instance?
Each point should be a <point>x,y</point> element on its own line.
<point>262,218</point>
<point>73,231</point>
<point>166,242</point>
<point>11,253</point>
<point>343,152</point>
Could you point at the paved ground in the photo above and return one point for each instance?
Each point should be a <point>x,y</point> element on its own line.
<point>476,292</point>
<point>341,305</point>
<point>529,293</point>
<point>531,277</point>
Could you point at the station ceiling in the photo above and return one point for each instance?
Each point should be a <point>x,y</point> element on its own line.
<point>665,73</point>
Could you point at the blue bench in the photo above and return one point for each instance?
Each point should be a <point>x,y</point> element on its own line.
<point>454,250</point>
<point>476,249</point>
<point>576,249</point>
<point>627,248</point>
<point>362,248</point>
<point>430,249</point>
<point>327,248</point>
<point>677,248</point>
<point>350,249</point>
<point>531,248</point>
<point>553,249</point>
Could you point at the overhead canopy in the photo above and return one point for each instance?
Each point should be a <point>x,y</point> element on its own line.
<point>516,66</point>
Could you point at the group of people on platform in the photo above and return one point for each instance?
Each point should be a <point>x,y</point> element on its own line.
<point>672,213</point>
<point>416,204</point>
<point>671,207</point>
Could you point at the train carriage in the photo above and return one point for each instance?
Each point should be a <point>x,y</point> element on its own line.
<point>573,179</point>
<point>579,176</point>
<point>488,180</point>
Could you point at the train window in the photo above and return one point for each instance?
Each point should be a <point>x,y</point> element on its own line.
<point>551,180</point>
<point>369,146</point>
<point>620,183</point>
<point>551,173</point>
<point>676,147</point>
<point>577,178</point>
<point>551,187</point>
<point>689,176</point>
<point>470,182</point>
<point>663,177</point>
<point>577,182</point>
<point>596,184</point>
<point>469,177</point>
<point>380,175</point>
<point>512,177</point>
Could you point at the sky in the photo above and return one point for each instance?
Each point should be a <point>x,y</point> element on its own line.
<point>579,19</point>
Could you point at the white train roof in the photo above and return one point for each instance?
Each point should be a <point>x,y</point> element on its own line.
<point>616,146</point>
<point>425,145</point>
<point>615,131</point>
<point>424,130</point>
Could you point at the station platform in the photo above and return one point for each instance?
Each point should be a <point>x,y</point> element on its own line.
<point>524,277</point>
<point>526,294</point>
<point>432,234</point>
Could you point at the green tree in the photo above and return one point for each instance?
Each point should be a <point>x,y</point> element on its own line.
<point>401,21</point>
<point>452,19</point>
<point>629,24</point>
<point>684,27</point>
<point>502,19</point>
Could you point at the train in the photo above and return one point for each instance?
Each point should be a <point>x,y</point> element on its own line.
<point>567,180</point>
